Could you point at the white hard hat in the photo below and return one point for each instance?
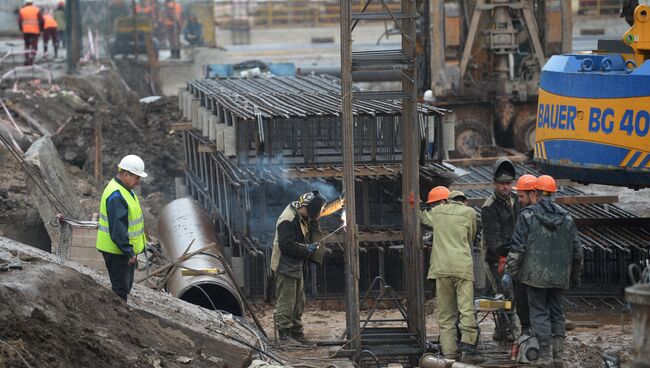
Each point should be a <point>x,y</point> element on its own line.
<point>134,165</point>
<point>428,96</point>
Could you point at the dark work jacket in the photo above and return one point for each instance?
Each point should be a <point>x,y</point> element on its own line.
<point>546,250</point>
<point>498,223</point>
<point>290,253</point>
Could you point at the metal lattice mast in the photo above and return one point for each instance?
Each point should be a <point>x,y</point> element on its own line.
<point>377,61</point>
<point>351,239</point>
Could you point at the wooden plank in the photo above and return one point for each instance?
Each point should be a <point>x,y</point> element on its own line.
<point>25,115</point>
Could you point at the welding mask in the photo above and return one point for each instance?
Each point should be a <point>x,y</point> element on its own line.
<point>314,201</point>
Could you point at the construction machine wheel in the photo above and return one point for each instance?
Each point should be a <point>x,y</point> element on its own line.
<point>524,133</point>
<point>470,136</point>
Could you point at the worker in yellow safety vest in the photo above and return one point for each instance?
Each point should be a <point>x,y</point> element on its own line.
<point>30,23</point>
<point>121,236</point>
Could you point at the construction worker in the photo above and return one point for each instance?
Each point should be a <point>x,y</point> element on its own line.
<point>120,236</point>
<point>59,16</point>
<point>50,31</point>
<point>31,23</point>
<point>498,216</point>
<point>193,32</point>
<point>546,256</point>
<point>296,241</point>
<point>171,19</point>
<point>451,266</point>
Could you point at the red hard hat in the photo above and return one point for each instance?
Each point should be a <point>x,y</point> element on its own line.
<point>546,183</point>
<point>438,194</point>
<point>526,182</point>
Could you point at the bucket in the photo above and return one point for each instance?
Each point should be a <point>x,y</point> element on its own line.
<point>639,298</point>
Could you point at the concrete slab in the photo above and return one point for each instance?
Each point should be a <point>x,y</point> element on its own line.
<point>48,166</point>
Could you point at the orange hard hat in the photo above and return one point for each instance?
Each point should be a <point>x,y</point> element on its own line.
<point>526,182</point>
<point>437,194</point>
<point>546,183</point>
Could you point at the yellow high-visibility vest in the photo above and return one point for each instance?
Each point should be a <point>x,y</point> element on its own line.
<point>136,221</point>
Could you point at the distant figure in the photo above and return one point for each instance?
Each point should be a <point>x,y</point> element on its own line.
<point>59,16</point>
<point>120,235</point>
<point>51,31</point>
<point>193,32</point>
<point>171,19</point>
<point>30,23</point>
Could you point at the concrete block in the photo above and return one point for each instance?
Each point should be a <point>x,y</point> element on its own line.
<point>212,123</point>
<point>46,163</point>
<point>194,113</point>
<point>220,136</point>
<point>230,147</point>
<point>206,122</point>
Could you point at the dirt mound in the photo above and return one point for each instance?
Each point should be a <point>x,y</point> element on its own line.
<point>54,316</point>
<point>69,111</point>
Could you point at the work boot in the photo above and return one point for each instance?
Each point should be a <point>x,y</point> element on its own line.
<point>285,338</point>
<point>545,359</point>
<point>558,351</point>
<point>300,337</point>
<point>468,354</point>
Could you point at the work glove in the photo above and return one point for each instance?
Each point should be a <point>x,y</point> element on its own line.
<point>311,248</point>
<point>502,264</point>
<point>506,284</point>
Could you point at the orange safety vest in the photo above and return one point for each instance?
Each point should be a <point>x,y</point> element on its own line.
<point>168,20</point>
<point>29,18</point>
<point>49,22</point>
<point>142,9</point>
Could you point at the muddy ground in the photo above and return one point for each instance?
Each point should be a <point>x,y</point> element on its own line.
<point>607,331</point>
<point>58,314</point>
<point>70,109</point>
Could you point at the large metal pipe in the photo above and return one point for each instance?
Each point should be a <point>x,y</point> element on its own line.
<point>638,296</point>
<point>181,222</point>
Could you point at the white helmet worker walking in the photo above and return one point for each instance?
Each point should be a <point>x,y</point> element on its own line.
<point>133,164</point>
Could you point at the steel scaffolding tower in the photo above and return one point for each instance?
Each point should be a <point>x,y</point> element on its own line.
<point>378,61</point>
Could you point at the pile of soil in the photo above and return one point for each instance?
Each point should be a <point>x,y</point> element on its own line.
<point>54,316</point>
<point>69,110</point>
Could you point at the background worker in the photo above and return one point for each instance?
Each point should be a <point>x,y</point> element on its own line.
<point>120,236</point>
<point>171,19</point>
<point>30,23</point>
<point>50,31</point>
<point>59,16</point>
<point>498,216</point>
<point>193,32</point>
<point>296,241</point>
<point>547,257</point>
<point>451,266</point>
